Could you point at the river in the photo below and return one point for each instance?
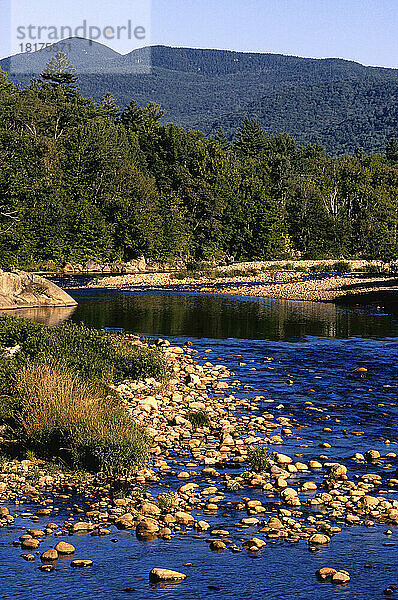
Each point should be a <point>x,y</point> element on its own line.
<point>291,353</point>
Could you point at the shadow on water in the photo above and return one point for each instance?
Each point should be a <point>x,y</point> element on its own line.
<point>219,317</point>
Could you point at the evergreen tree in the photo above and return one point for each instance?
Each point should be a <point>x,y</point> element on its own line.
<point>108,107</point>
<point>60,71</point>
<point>392,150</point>
<point>251,139</point>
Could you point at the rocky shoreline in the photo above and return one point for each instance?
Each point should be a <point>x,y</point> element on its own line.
<point>341,496</point>
<point>286,285</point>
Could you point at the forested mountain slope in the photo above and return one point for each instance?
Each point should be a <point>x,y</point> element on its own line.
<point>339,103</point>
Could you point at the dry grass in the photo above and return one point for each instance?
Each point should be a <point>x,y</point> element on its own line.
<point>53,398</point>
<point>58,412</point>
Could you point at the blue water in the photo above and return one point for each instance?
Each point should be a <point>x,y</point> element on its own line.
<point>299,338</point>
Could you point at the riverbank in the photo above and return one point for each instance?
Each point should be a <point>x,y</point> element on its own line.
<point>205,482</point>
<point>281,284</point>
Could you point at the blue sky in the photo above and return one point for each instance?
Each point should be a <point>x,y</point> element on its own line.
<point>361,30</point>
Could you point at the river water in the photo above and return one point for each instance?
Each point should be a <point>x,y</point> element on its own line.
<point>290,353</point>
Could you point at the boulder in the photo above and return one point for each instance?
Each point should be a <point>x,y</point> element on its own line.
<point>341,577</point>
<point>184,518</point>
<point>125,521</point>
<point>25,290</point>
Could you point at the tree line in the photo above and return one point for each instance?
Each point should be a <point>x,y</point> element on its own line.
<point>86,180</point>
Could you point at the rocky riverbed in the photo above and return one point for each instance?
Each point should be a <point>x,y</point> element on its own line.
<point>284,285</point>
<point>295,502</point>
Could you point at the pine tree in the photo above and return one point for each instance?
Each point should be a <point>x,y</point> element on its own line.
<point>392,150</point>
<point>60,71</point>
<point>222,139</point>
<point>108,106</point>
<point>251,140</point>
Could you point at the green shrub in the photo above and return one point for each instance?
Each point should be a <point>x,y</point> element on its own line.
<point>109,442</point>
<point>199,418</point>
<point>8,371</point>
<point>258,459</point>
<point>320,268</point>
<point>54,393</point>
<point>341,266</point>
<point>300,268</point>
<point>372,269</point>
<point>93,355</point>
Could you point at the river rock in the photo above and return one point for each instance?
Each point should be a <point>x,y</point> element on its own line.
<point>49,555</point>
<point>148,508</point>
<point>81,527</point>
<point>64,548</point>
<point>30,544</point>
<point>125,521</point>
<point>81,563</point>
<point>318,539</point>
<point>158,574</point>
<point>254,542</point>
<point>183,518</point>
<point>309,486</point>
<point>275,523</point>
<point>217,545</point>
<point>147,526</point>
<point>325,572</point>
<point>371,455</point>
<point>202,525</point>
<point>341,577</point>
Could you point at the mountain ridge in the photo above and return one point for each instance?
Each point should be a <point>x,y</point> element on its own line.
<point>211,88</point>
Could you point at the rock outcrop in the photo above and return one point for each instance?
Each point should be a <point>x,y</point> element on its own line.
<point>25,290</point>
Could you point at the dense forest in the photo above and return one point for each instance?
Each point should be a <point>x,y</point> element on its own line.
<point>341,116</point>
<point>83,180</point>
<point>337,103</point>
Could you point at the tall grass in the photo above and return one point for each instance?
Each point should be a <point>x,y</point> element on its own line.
<point>56,412</point>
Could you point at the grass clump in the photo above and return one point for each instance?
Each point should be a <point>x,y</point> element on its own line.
<point>199,418</point>
<point>258,459</point>
<point>54,411</point>
<point>168,501</point>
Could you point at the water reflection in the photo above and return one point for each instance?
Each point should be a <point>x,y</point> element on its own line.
<point>50,315</point>
<point>223,317</point>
